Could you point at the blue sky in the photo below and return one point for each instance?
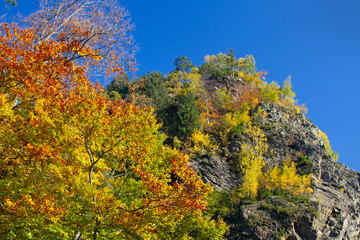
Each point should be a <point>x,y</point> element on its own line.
<point>317,42</point>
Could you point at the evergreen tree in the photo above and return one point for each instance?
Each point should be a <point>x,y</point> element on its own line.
<point>154,88</point>
<point>182,117</point>
<point>119,87</point>
<point>183,64</point>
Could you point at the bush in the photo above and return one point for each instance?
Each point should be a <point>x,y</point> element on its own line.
<point>304,165</point>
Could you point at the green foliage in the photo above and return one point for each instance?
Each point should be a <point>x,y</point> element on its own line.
<point>220,66</point>
<point>154,88</point>
<point>286,89</point>
<point>219,204</point>
<point>271,92</point>
<point>304,165</point>
<point>247,65</point>
<point>280,211</point>
<point>182,116</point>
<point>177,100</point>
<point>183,64</point>
<point>285,207</point>
<point>119,87</point>
<point>228,112</point>
<point>225,65</point>
<point>231,62</point>
<point>279,234</point>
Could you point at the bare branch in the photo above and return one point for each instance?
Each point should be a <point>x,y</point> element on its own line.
<point>103,25</point>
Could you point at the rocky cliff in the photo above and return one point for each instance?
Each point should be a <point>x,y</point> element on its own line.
<point>331,212</point>
<point>218,114</point>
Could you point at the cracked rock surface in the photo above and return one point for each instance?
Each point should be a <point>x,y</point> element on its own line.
<point>336,196</point>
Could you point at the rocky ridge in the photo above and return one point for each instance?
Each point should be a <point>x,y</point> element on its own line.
<point>334,205</point>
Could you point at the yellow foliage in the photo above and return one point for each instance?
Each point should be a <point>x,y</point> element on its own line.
<point>270,179</point>
<point>177,142</point>
<point>292,105</point>
<point>201,144</point>
<point>210,59</point>
<point>66,151</point>
<point>225,99</point>
<point>192,81</point>
<point>6,106</point>
<point>179,81</point>
<point>173,83</point>
<point>286,179</point>
<point>251,162</point>
<point>232,120</point>
<point>326,141</point>
<point>286,89</point>
<point>271,92</point>
<point>253,79</point>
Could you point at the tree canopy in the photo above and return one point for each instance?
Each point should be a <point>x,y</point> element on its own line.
<point>74,165</point>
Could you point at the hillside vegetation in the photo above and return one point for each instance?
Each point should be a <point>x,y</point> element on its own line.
<point>203,152</point>
<point>203,109</point>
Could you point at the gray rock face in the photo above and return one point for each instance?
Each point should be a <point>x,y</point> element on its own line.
<point>217,172</point>
<point>336,196</point>
<point>336,187</point>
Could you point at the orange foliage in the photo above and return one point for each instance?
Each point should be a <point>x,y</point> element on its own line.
<point>246,94</point>
<point>210,116</point>
<point>75,164</point>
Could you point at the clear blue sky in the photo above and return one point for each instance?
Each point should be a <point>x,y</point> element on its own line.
<point>317,42</point>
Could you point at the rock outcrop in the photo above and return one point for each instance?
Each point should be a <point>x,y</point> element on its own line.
<point>333,211</point>
<point>336,187</point>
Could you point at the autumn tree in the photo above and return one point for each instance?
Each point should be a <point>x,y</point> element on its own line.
<point>326,142</point>
<point>219,66</point>
<point>75,165</point>
<point>179,82</point>
<point>200,144</point>
<point>251,163</point>
<point>235,123</point>
<point>102,24</point>
<point>286,178</point>
<point>271,179</point>
<point>287,100</point>
<point>292,182</point>
<point>174,83</point>
<point>271,92</point>
<point>246,95</point>
<point>247,65</point>
<point>287,89</point>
